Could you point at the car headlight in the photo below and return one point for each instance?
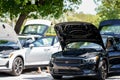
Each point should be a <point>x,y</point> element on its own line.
<point>52,59</point>
<point>6,55</point>
<point>91,60</point>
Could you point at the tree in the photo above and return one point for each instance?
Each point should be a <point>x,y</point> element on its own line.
<point>109,9</point>
<point>22,8</point>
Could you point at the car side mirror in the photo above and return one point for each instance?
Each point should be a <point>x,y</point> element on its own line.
<point>31,46</point>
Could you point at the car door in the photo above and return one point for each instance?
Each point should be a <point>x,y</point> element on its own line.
<point>114,53</point>
<point>55,47</point>
<point>38,55</point>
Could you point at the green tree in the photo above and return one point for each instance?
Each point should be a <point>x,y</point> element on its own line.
<point>22,8</point>
<point>109,9</point>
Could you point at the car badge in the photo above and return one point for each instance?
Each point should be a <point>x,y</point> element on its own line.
<point>66,62</point>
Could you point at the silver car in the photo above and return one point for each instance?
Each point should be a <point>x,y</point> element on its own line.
<point>14,56</point>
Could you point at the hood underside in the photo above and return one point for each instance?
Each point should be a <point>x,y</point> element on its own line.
<point>7,33</point>
<point>69,32</point>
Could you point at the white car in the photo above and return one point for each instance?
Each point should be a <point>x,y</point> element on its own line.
<point>14,57</point>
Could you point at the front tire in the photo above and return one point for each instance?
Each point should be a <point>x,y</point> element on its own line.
<point>102,71</point>
<point>17,66</point>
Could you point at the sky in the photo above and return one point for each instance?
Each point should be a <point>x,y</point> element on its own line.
<point>87,7</point>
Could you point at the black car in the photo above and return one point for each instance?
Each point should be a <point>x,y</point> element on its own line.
<point>83,51</point>
<point>111,28</point>
<point>86,51</point>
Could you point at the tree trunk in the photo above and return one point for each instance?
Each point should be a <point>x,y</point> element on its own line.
<point>20,22</point>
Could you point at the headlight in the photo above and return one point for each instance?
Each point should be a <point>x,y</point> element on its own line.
<point>52,59</point>
<point>90,60</point>
<point>6,56</point>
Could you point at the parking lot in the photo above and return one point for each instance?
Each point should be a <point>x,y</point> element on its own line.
<point>31,74</point>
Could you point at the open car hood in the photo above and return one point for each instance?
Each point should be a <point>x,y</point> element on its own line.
<point>69,32</point>
<point>7,33</point>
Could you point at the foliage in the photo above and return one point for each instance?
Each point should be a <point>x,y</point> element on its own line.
<point>72,16</point>
<point>22,8</point>
<point>43,7</point>
<point>109,9</point>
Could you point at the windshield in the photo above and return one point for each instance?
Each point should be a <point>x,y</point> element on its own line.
<point>7,45</point>
<point>80,45</point>
<point>111,29</point>
<point>35,29</point>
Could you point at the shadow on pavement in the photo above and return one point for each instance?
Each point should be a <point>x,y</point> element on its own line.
<point>31,70</point>
<point>114,76</point>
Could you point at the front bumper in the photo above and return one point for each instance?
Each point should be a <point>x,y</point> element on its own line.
<point>4,65</point>
<point>70,71</point>
<point>72,67</point>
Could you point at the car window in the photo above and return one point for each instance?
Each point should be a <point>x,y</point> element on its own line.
<point>111,29</point>
<point>78,45</point>
<point>46,41</point>
<point>117,43</point>
<point>34,29</point>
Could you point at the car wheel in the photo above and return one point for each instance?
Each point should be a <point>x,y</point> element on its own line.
<point>102,71</point>
<point>17,66</point>
<point>56,76</point>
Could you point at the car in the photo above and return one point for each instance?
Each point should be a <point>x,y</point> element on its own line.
<point>35,28</point>
<point>111,28</point>
<point>17,54</point>
<point>83,51</point>
<point>86,50</point>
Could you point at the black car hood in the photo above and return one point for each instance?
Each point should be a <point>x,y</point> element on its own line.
<point>69,32</point>
<point>109,22</point>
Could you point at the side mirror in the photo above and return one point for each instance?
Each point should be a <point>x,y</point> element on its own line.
<point>31,46</point>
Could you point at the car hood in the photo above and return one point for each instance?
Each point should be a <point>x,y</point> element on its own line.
<point>69,32</point>
<point>7,33</point>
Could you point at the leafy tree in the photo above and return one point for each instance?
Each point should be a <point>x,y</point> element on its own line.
<point>109,9</point>
<point>22,8</point>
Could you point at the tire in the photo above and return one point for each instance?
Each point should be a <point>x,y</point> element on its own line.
<point>102,71</point>
<point>57,77</point>
<point>17,66</point>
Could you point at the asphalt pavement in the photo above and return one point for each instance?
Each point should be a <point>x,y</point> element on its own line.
<point>32,74</point>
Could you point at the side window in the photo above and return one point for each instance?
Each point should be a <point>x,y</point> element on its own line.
<point>117,43</point>
<point>46,41</point>
<point>109,44</point>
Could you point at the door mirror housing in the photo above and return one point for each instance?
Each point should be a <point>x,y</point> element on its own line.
<point>31,46</point>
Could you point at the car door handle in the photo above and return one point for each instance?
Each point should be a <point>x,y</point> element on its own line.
<point>46,49</point>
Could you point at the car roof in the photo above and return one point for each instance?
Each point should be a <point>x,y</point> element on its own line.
<point>38,21</point>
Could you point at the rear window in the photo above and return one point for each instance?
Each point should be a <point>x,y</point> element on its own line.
<point>34,29</point>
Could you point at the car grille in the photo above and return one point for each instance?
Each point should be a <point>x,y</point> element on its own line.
<point>68,61</point>
<point>70,66</point>
<point>70,72</point>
